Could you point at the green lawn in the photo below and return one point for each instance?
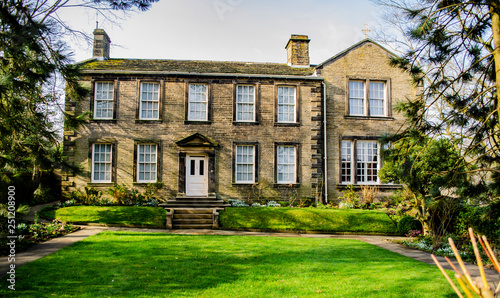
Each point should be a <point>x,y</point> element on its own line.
<point>308,219</point>
<point>114,215</point>
<point>127,264</point>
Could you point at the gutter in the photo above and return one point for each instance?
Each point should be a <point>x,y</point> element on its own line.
<point>325,145</point>
<point>180,73</point>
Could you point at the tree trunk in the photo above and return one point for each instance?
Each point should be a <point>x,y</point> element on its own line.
<point>495,26</point>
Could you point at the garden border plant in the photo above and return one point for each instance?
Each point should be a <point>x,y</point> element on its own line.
<point>29,234</point>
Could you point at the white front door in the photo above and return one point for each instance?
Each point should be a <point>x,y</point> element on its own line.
<point>196,175</point>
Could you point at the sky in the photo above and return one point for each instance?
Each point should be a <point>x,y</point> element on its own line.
<point>228,30</point>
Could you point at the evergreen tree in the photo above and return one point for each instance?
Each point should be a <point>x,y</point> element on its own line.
<point>425,166</point>
<point>33,59</point>
<point>455,58</point>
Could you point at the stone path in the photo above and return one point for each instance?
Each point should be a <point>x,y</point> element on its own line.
<point>31,214</point>
<point>48,247</point>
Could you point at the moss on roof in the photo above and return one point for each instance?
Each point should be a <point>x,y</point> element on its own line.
<point>194,66</point>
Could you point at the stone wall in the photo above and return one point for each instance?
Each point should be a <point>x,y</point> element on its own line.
<point>172,127</point>
<point>366,60</point>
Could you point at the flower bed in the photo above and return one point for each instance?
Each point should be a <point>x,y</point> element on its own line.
<point>31,234</point>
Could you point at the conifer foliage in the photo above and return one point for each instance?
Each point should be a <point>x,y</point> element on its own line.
<point>33,62</point>
<point>455,60</point>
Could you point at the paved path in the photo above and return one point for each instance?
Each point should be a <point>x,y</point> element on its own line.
<point>48,247</point>
<point>31,214</point>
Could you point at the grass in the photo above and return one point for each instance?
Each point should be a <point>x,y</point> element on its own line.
<point>113,215</point>
<point>128,264</point>
<point>308,219</point>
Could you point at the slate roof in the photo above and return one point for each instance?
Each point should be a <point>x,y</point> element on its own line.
<point>193,66</point>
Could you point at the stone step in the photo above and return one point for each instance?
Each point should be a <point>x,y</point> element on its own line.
<point>193,202</point>
<point>196,198</point>
<point>190,221</point>
<point>193,226</point>
<point>193,206</point>
<point>195,210</point>
<point>193,216</point>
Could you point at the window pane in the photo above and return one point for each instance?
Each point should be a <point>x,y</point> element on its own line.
<point>245,103</point>
<point>286,104</point>
<point>244,164</point>
<point>198,102</point>
<point>356,98</point>
<point>367,162</point>
<point>346,162</point>
<point>103,100</point>
<point>101,163</point>
<point>377,97</point>
<point>150,101</point>
<point>146,162</point>
<point>286,167</point>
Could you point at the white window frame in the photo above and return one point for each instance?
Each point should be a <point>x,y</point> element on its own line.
<point>282,164</point>
<point>364,162</point>
<point>152,162</point>
<point>346,162</point>
<point>245,160</point>
<point>240,103</point>
<point>100,159</point>
<point>355,96</point>
<point>197,99</point>
<point>373,97</point>
<point>368,98</point>
<point>106,97</point>
<point>154,100</point>
<point>281,105</point>
<point>359,168</point>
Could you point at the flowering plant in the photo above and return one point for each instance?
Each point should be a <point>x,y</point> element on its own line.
<point>413,233</point>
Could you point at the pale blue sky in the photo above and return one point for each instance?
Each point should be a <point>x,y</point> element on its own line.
<point>231,30</point>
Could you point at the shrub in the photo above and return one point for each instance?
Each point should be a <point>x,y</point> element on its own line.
<point>322,206</point>
<point>369,192</point>
<point>131,197</point>
<point>273,204</point>
<point>347,205</point>
<point>407,224</point>
<point>349,199</point>
<point>67,203</point>
<point>151,190</point>
<point>22,229</point>
<point>106,202</point>
<point>92,195</point>
<point>237,203</point>
<point>484,220</point>
<point>119,192</point>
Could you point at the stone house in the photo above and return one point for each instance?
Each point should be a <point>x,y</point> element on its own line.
<point>236,129</point>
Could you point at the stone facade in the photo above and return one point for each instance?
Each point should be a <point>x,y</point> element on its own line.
<point>364,62</point>
<point>177,138</point>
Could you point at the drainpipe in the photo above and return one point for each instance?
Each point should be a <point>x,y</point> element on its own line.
<point>325,146</point>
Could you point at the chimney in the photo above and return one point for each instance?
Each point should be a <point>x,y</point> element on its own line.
<point>101,44</point>
<point>297,51</point>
